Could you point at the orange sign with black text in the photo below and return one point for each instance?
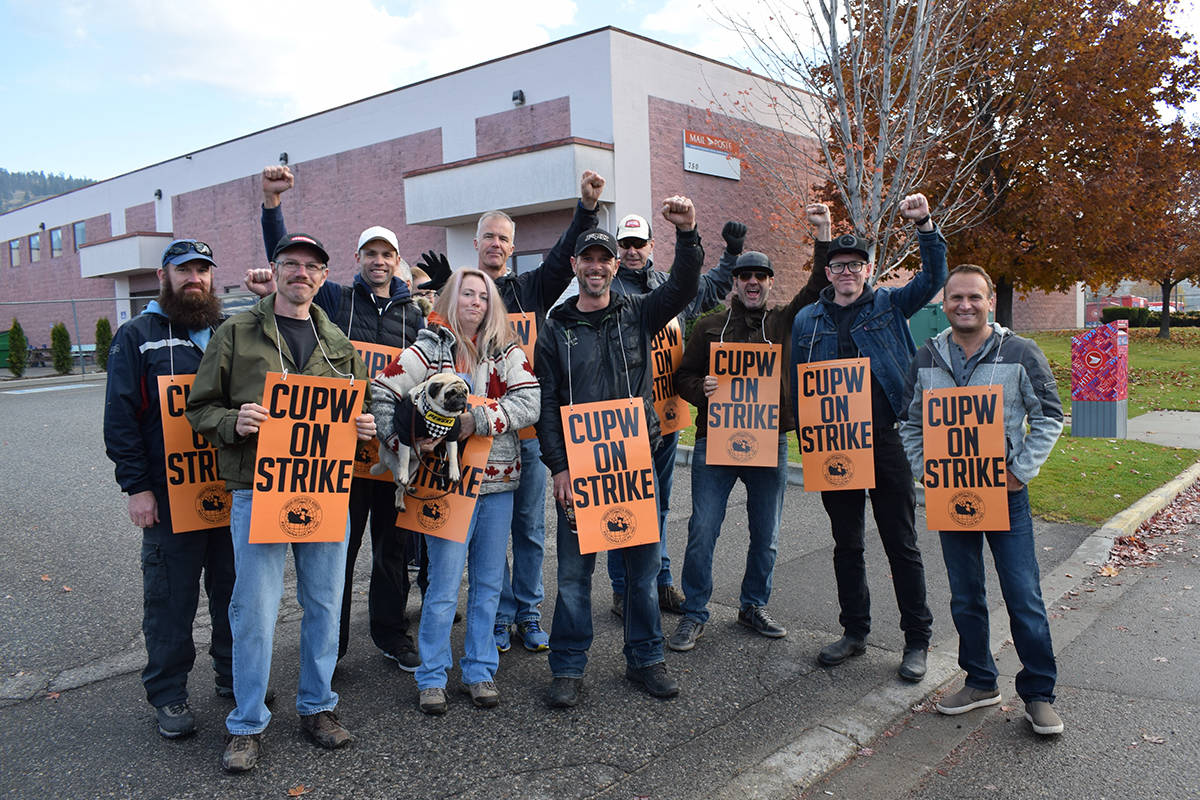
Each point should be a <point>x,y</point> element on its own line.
<point>612,474</point>
<point>674,413</point>
<point>833,424</point>
<point>305,458</point>
<point>965,471</point>
<point>366,454</point>
<point>438,506</point>
<point>743,413</point>
<point>525,326</point>
<point>195,491</point>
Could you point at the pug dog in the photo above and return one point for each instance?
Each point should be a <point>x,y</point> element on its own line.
<point>430,411</point>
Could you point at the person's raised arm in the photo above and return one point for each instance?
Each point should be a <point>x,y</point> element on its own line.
<point>822,223</point>
<point>551,279</point>
<point>672,297</point>
<point>928,282</point>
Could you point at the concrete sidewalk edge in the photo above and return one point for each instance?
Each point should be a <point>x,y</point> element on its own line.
<point>831,741</point>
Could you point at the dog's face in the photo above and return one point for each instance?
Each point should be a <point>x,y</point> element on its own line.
<point>447,393</point>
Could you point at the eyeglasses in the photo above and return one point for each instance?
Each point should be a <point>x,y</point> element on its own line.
<point>757,275</point>
<point>182,248</point>
<point>855,267</point>
<point>310,267</point>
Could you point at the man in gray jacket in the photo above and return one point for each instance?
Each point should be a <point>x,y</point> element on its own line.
<point>974,352</point>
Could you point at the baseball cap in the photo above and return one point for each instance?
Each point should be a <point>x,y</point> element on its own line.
<point>596,238</point>
<point>753,260</point>
<point>297,239</point>
<point>849,243</point>
<point>181,251</point>
<point>378,232</point>
<point>634,227</point>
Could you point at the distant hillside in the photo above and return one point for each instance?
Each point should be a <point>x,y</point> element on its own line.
<point>22,188</point>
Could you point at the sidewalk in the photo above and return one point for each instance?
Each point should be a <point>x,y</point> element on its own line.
<point>757,718</point>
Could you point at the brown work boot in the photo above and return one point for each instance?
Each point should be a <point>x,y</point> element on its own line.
<point>325,730</point>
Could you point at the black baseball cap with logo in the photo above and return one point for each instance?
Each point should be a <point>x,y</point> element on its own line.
<point>298,239</point>
<point>849,243</point>
<point>596,238</point>
<point>753,261</point>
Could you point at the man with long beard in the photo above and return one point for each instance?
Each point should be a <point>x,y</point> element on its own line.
<point>169,338</point>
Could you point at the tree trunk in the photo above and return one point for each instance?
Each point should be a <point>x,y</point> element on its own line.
<point>1164,319</point>
<point>1004,300</point>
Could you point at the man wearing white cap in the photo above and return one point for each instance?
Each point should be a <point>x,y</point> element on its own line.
<point>377,308</point>
<point>636,275</point>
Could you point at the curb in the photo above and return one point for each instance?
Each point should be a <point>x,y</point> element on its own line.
<point>831,741</point>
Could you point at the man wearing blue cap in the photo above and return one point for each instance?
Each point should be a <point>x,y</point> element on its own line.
<point>169,338</point>
<point>852,320</point>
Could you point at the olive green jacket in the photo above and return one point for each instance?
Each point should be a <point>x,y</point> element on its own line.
<point>234,369</point>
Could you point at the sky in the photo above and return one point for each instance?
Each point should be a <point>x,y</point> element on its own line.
<point>96,88</point>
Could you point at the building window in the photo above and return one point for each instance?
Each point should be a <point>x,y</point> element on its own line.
<point>56,243</point>
<point>35,248</point>
<point>526,262</point>
<point>14,252</point>
<point>79,231</point>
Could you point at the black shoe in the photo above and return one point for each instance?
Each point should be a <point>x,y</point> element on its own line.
<point>670,600</point>
<point>175,720</point>
<point>241,752</point>
<point>654,679</point>
<point>759,620</point>
<point>226,692</point>
<point>403,652</point>
<point>846,647</point>
<point>912,666</point>
<point>564,692</point>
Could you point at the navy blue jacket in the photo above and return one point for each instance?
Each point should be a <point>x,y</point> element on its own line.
<point>142,349</point>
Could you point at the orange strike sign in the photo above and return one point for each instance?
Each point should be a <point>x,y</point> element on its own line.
<point>833,424</point>
<point>525,326</point>
<point>196,493</point>
<point>612,475</point>
<point>438,506</point>
<point>743,413</point>
<point>674,413</point>
<point>366,454</point>
<point>965,470</point>
<point>305,459</point>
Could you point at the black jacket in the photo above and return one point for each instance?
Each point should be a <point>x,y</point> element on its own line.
<point>578,362</point>
<point>353,308</point>
<point>142,349</point>
<point>539,289</point>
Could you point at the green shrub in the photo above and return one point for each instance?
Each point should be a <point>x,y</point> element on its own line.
<point>103,341</point>
<point>1138,317</point>
<point>18,349</point>
<point>60,348</point>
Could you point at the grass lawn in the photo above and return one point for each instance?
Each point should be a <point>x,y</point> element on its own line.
<point>1163,374</point>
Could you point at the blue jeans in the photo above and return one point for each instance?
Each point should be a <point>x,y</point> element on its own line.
<point>1020,584</point>
<point>483,554</point>
<point>173,567</point>
<point>320,574</point>
<point>521,593</point>
<point>711,486</point>
<point>571,632</point>
<point>664,476</point>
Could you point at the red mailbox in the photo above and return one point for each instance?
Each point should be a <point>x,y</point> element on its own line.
<point>1100,381</point>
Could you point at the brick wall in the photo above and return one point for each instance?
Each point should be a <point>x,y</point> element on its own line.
<point>140,219</point>
<point>56,279</point>
<point>718,199</point>
<point>1039,311</point>
<point>528,125</point>
<point>334,199</point>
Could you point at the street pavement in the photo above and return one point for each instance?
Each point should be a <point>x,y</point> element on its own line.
<point>757,718</point>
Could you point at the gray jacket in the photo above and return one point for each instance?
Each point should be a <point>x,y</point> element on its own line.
<point>1030,392</point>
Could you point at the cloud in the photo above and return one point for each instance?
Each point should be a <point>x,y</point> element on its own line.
<point>309,54</point>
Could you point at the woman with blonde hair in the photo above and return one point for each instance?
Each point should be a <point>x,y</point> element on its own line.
<point>468,334</point>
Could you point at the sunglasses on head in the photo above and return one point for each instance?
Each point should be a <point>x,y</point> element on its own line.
<point>182,248</point>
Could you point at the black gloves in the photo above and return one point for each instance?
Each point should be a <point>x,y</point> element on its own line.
<point>437,267</point>
<point>734,234</point>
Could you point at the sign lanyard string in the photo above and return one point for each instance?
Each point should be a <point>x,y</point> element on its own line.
<point>279,348</point>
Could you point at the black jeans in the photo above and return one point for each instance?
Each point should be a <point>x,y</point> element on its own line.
<point>387,598</point>
<point>892,502</point>
<point>173,565</point>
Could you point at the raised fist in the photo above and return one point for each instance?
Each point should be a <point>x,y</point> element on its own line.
<point>734,234</point>
<point>914,207</point>
<point>277,179</point>
<point>590,187</point>
<point>679,211</point>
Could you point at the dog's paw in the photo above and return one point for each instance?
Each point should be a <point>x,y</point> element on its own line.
<point>401,491</point>
<point>378,468</point>
<point>454,473</point>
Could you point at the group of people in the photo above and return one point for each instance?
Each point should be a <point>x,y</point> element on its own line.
<point>596,346</point>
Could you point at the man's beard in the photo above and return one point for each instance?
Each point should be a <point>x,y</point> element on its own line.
<point>189,311</point>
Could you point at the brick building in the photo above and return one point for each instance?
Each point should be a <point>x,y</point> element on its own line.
<point>425,160</point>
